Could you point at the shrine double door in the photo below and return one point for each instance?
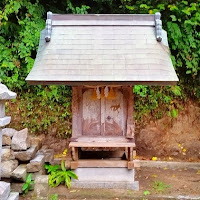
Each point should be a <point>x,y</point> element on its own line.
<point>102,116</point>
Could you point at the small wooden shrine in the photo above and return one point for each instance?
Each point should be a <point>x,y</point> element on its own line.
<point>102,57</point>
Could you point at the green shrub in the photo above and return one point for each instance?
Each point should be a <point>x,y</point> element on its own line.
<point>59,175</point>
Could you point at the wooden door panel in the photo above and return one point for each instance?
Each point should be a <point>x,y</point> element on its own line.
<point>114,115</point>
<point>91,114</point>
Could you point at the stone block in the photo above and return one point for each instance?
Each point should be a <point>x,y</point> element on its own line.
<point>116,178</point>
<point>21,140</point>
<point>41,172</point>
<point>56,161</point>
<point>17,187</point>
<point>41,187</point>
<point>13,196</point>
<point>4,190</point>
<point>128,185</point>
<point>105,174</point>
<point>36,164</point>
<point>4,121</point>
<point>2,109</point>
<point>48,154</point>
<point>20,173</point>
<point>6,140</point>
<point>26,155</point>
<point>8,132</point>
<point>7,167</point>
<point>7,154</point>
<point>36,141</point>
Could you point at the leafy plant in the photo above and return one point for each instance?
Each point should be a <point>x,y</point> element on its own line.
<point>54,197</point>
<point>146,192</point>
<point>160,186</point>
<point>28,185</point>
<point>51,168</point>
<point>60,175</point>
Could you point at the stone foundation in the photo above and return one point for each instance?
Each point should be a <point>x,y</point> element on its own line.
<point>116,178</point>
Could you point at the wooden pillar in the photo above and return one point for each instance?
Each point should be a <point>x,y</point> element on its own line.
<point>77,111</point>
<point>130,126</point>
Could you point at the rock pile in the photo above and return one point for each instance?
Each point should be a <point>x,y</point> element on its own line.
<point>22,154</point>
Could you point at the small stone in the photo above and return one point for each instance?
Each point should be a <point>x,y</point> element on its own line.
<point>6,140</point>
<point>48,154</point>
<point>7,167</point>
<point>26,155</point>
<point>20,173</point>
<point>4,190</point>
<point>8,132</point>
<point>36,164</point>
<point>41,188</point>
<point>36,141</point>
<point>13,196</point>
<point>21,140</point>
<point>7,154</point>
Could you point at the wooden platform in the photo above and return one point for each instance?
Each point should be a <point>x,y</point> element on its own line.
<point>102,142</point>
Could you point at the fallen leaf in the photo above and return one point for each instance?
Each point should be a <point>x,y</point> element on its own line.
<point>154,175</point>
<point>173,176</point>
<point>184,150</point>
<point>165,168</point>
<point>198,172</point>
<point>72,191</point>
<point>154,158</point>
<point>170,158</point>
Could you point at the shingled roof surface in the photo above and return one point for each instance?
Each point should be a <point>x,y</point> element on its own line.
<point>86,49</point>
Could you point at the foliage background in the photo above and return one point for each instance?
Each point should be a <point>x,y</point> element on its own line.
<point>42,108</point>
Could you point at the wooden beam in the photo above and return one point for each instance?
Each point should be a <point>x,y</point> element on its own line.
<point>76,111</point>
<point>101,144</point>
<point>128,96</point>
<point>74,153</point>
<point>130,165</point>
<point>99,163</point>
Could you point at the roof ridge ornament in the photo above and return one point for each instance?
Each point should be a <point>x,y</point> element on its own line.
<point>158,26</point>
<point>48,27</point>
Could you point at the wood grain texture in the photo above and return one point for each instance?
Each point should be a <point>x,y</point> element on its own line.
<point>130,120</point>
<point>76,111</point>
<point>101,144</point>
<point>99,163</point>
<point>114,118</point>
<point>75,153</point>
<point>91,114</point>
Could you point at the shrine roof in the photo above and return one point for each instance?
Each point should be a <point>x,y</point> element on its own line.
<point>103,49</point>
